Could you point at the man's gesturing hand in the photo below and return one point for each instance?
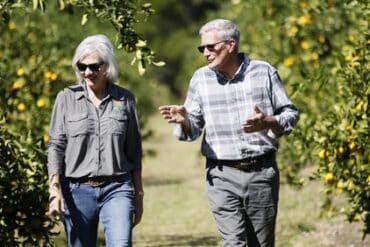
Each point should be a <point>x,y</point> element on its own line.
<point>176,114</point>
<point>173,113</point>
<point>255,123</point>
<point>260,122</point>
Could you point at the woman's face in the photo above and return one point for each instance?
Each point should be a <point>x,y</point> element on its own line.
<point>93,71</point>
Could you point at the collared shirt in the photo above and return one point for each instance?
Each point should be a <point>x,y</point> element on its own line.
<point>220,106</point>
<point>86,141</point>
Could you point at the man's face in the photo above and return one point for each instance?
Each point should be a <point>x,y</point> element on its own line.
<point>215,50</point>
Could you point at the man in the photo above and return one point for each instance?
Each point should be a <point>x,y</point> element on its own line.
<point>243,109</point>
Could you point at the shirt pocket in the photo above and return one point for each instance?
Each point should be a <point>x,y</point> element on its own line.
<point>117,123</point>
<point>77,124</point>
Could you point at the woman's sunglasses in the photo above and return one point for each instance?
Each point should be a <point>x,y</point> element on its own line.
<point>210,47</point>
<point>94,67</point>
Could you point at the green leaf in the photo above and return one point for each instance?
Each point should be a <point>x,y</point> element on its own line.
<point>84,19</point>
<point>35,4</point>
<point>140,43</point>
<point>138,54</point>
<point>147,5</point>
<point>133,61</point>
<point>61,4</point>
<point>41,3</point>
<point>159,64</point>
<point>141,67</point>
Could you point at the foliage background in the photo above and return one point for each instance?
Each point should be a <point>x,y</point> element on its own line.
<point>321,49</point>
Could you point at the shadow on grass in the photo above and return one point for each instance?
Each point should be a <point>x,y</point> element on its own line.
<point>60,241</point>
<point>153,181</point>
<point>178,240</point>
<point>161,241</point>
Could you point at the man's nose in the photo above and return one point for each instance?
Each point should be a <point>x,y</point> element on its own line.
<point>205,52</point>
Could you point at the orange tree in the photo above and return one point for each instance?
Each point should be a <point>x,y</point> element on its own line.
<point>321,49</point>
<point>35,54</point>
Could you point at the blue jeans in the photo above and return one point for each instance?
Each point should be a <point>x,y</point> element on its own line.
<point>112,203</point>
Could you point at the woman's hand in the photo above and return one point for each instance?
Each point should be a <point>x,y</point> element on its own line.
<point>139,196</point>
<point>139,209</point>
<point>56,201</point>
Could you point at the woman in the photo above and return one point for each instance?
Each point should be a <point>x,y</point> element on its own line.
<point>94,154</point>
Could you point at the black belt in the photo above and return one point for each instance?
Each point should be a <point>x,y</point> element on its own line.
<point>247,164</point>
<point>96,181</point>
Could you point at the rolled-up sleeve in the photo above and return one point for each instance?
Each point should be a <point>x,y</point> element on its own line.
<point>57,137</point>
<point>285,113</point>
<point>133,146</point>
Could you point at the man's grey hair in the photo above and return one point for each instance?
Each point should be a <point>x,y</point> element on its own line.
<point>102,46</point>
<point>226,29</point>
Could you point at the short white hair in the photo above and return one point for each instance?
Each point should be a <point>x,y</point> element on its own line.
<point>226,29</point>
<point>102,46</point>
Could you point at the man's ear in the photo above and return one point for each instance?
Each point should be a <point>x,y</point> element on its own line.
<point>232,44</point>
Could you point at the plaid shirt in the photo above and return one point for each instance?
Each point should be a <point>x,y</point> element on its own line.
<point>220,106</point>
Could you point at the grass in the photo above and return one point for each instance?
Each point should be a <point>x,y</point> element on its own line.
<point>176,210</point>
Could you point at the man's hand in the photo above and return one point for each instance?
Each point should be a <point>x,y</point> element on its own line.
<point>256,123</point>
<point>176,114</point>
<point>173,113</point>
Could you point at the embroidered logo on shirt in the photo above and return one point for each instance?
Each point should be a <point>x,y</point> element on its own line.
<point>118,106</point>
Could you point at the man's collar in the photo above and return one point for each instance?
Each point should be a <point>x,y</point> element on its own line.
<point>243,66</point>
<point>240,71</point>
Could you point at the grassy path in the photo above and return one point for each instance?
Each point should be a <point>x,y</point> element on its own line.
<point>175,211</point>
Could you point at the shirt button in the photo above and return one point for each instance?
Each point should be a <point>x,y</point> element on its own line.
<point>97,134</point>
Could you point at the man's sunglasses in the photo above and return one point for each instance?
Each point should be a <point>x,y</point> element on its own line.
<point>94,67</point>
<point>210,47</point>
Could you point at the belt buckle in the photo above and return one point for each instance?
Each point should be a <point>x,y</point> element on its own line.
<point>95,182</point>
<point>247,165</point>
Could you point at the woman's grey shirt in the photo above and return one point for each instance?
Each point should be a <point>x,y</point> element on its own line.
<point>86,141</point>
